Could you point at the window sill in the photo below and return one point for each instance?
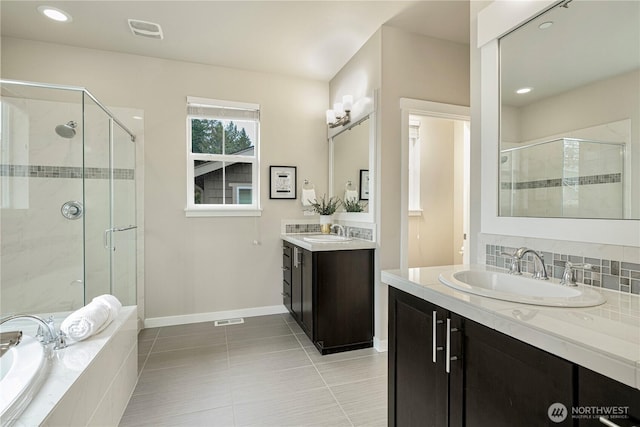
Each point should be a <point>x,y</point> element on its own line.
<point>415,212</point>
<point>221,212</point>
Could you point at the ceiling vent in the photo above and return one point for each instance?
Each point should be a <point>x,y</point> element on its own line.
<point>145,29</point>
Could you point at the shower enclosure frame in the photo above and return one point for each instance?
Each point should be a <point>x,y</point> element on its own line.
<point>113,121</point>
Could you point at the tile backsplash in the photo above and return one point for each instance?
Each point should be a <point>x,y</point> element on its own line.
<point>607,270</point>
<point>306,226</point>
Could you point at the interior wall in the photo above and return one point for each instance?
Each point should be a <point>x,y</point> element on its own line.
<point>197,265</point>
<point>431,235</point>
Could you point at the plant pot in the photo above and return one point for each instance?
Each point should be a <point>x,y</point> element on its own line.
<point>325,224</point>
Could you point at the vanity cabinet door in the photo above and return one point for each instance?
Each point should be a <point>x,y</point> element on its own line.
<point>296,283</point>
<point>306,305</point>
<point>607,395</point>
<point>418,387</point>
<point>509,383</point>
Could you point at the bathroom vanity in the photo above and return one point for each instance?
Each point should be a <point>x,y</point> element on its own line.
<point>460,359</point>
<point>328,289</point>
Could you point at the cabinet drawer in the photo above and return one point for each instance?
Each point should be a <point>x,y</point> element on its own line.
<point>286,263</point>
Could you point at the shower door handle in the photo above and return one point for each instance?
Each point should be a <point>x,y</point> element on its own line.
<point>113,230</point>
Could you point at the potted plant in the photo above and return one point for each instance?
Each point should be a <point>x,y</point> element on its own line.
<point>353,205</point>
<point>325,208</point>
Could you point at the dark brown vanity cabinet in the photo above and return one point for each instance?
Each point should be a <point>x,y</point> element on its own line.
<point>446,370</point>
<point>330,294</point>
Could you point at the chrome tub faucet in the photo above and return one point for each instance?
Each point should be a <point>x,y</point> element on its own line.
<point>46,329</point>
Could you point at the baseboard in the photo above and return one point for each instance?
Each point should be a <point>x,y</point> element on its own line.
<point>155,322</point>
<point>380,345</point>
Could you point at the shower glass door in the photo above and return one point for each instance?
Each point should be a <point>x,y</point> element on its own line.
<point>123,211</point>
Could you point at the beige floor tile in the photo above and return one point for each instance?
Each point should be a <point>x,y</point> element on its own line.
<point>307,408</point>
<point>201,356</point>
<point>189,341</point>
<point>190,329</point>
<point>263,345</point>
<point>353,370</point>
<point>318,358</point>
<point>305,341</point>
<point>295,328</point>
<point>362,396</point>
<point>257,331</point>
<point>218,417</point>
<point>260,320</point>
<point>256,363</point>
<point>167,380</point>
<point>144,347</point>
<point>182,400</point>
<point>254,387</point>
<point>376,417</point>
<point>148,334</point>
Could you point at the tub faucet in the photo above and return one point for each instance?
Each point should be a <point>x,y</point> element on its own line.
<point>539,273</point>
<point>340,231</point>
<point>46,329</point>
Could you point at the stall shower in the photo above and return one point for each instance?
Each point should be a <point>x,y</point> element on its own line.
<point>68,198</point>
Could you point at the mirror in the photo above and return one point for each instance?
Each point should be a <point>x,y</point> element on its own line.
<point>569,147</point>
<point>350,167</point>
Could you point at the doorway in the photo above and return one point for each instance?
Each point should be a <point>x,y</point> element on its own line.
<point>435,190</point>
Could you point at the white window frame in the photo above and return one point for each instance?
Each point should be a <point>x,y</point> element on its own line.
<point>226,110</point>
<point>415,205</point>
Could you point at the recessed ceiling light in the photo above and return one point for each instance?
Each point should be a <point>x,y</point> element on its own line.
<point>523,90</point>
<point>136,117</point>
<point>54,13</point>
<point>545,25</point>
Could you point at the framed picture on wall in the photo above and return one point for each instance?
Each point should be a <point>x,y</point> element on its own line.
<point>364,184</point>
<point>282,182</point>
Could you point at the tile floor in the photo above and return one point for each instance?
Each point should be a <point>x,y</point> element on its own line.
<point>263,372</point>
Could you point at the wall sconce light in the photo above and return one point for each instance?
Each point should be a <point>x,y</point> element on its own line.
<point>340,115</point>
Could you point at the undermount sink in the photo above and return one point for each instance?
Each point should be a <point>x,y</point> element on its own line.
<point>326,238</point>
<point>521,289</point>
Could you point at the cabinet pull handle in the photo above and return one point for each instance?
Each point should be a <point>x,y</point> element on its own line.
<point>434,335</point>
<point>285,268</point>
<point>607,422</point>
<point>296,261</point>
<point>448,357</point>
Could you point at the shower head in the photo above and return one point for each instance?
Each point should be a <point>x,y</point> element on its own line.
<point>67,131</point>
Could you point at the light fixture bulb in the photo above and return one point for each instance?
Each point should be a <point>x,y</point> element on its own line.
<point>347,102</point>
<point>523,90</point>
<point>331,116</point>
<point>55,14</point>
<point>338,109</point>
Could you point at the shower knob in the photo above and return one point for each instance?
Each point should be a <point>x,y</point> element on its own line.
<point>72,210</point>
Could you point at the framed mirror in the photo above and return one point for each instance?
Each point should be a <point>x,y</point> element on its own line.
<point>569,141</point>
<point>352,154</point>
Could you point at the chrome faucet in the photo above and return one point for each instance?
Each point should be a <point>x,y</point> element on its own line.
<point>538,273</point>
<point>341,231</point>
<point>569,276</point>
<point>46,329</point>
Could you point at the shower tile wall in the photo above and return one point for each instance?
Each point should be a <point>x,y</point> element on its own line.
<point>42,252</point>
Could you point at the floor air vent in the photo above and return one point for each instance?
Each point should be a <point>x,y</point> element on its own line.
<point>227,322</point>
<point>145,29</point>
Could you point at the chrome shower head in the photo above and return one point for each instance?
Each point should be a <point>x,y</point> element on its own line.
<point>67,131</point>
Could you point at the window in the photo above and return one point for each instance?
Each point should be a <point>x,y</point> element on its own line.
<point>415,207</point>
<point>222,158</point>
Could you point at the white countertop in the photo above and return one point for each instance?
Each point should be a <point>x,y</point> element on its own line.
<point>605,338</point>
<point>349,245</point>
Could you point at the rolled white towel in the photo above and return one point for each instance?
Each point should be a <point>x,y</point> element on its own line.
<point>86,321</point>
<point>308,196</point>
<point>112,303</point>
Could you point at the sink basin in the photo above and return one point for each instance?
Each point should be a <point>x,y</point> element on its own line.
<point>327,238</point>
<point>521,289</point>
